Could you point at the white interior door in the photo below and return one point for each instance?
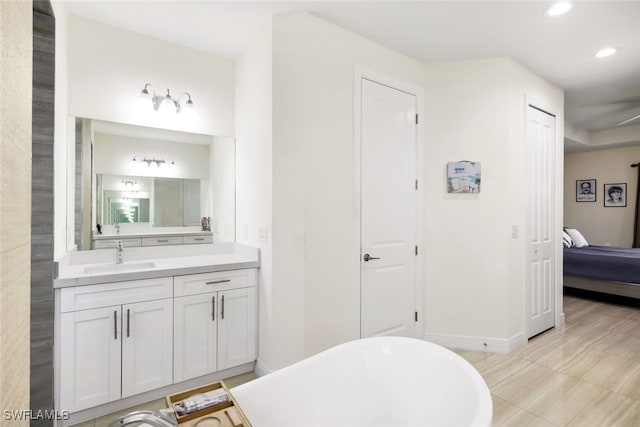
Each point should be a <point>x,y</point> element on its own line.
<point>388,220</point>
<point>540,281</point>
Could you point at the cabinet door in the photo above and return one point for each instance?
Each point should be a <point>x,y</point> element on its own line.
<point>147,346</point>
<point>236,327</point>
<point>90,357</point>
<point>195,335</point>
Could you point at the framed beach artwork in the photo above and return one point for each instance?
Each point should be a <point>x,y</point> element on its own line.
<point>463,177</point>
<point>585,190</point>
<point>615,195</point>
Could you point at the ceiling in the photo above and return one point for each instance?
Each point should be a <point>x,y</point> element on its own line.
<point>599,93</point>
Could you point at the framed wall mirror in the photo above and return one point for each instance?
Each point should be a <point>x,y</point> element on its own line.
<point>128,180</point>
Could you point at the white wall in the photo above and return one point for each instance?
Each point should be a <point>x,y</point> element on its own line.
<point>254,193</point>
<point>475,269</point>
<point>600,225</point>
<point>474,110</point>
<point>63,149</point>
<point>222,167</point>
<point>108,67</point>
<point>466,118</point>
<point>313,176</point>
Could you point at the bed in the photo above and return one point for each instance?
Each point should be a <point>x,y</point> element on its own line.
<point>606,269</point>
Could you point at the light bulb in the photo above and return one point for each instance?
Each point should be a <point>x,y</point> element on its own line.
<point>144,100</point>
<point>167,105</point>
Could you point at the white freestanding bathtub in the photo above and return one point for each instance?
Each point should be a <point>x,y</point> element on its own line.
<point>382,381</point>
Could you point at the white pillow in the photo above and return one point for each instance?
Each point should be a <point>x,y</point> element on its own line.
<point>567,241</point>
<point>577,237</point>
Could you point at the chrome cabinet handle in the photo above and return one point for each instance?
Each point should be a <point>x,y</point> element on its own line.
<point>115,325</point>
<point>199,238</point>
<point>213,308</point>
<point>163,241</point>
<point>222,311</point>
<point>128,322</point>
<point>218,281</point>
<point>368,258</point>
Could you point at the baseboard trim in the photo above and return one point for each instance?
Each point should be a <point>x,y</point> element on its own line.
<point>262,369</point>
<point>490,345</point>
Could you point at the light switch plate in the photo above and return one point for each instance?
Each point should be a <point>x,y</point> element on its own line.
<point>263,234</point>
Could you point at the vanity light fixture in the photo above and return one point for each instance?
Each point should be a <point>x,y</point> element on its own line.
<point>153,160</point>
<point>129,183</point>
<point>166,102</point>
<point>559,8</point>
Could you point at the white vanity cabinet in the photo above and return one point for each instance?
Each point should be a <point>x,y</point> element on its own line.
<point>161,241</point>
<point>131,241</point>
<point>112,243</point>
<point>215,322</point>
<point>116,340</point>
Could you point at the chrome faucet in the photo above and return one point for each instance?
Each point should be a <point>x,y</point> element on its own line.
<point>147,417</point>
<point>119,252</point>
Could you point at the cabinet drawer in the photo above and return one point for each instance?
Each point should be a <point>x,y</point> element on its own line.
<point>211,282</point>
<point>111,243</point>
<point>93,296</point>
<point>192,240</point>
<point>160,241</point>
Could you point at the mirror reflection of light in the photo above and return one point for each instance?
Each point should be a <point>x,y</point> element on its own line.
<point>559,8</point>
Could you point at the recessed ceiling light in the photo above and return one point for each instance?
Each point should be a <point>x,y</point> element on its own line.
<point>607,51</point>
<point>559,8</point>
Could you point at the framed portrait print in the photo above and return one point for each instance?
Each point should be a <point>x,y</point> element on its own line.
<point>615,195</point>
<point>585,190</point>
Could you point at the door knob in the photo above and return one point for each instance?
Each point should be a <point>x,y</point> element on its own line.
<point>368,258</point>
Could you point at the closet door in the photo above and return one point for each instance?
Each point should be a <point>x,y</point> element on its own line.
<point>540,266</point>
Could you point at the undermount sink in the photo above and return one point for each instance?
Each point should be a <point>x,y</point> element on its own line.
<point>116,268</point>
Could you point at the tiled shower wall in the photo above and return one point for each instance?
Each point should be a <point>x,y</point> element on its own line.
<point>16,36</point>
<point>42,210</point>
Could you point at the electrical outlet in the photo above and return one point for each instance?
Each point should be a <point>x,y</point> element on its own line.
<point>263,234</point>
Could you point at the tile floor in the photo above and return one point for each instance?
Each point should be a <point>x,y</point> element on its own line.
<point>586,373</point>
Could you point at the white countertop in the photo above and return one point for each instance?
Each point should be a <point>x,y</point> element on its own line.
<point>149,233</point>
<point>151,262</point>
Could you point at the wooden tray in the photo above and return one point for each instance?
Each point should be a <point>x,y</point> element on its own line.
<point>225,414</point>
